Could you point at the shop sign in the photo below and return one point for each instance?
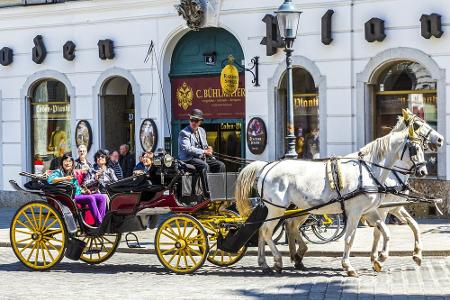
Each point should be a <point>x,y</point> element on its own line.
<point>374,31</point>
<point>229,79</point>
<point>206,93</point>
<point>50,111</point>
<point>148,135</point>
<point>256,135</point>
<point>83,134</point>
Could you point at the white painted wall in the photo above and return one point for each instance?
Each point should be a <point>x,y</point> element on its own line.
<point>132,24</point>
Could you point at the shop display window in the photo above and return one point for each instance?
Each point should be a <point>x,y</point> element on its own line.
<point>50,124</point>
<point>306,113</point>
<point>402,85</point>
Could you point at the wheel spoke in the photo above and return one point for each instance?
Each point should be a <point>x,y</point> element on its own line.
<point>165,252</point>
<point>26,246</point>
<point>26,226</point>
<point>169,229</point>
<point>24,232</point>
<point>185,260</point>
<point>173,256</point>
<point>31,253</point>
<point>40,217</point>
<point>46,219</point>
<point>169,236</point>
<point>51,245</point>
<point>34,218</point>
<point>49,226</point>
<point>178,227</point>
<point>24,213</point>
<point>178,260</point>
<point>195,251</point>
<point>43,255</point>
<point>48,251</point>
<point>190,256</point>
<point>56,231</point>
<point>36,258</point>
<point>21,241</point>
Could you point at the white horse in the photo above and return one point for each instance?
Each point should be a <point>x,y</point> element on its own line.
<point>435,141</point>
<point>431,138</point>
<point>305,185</point>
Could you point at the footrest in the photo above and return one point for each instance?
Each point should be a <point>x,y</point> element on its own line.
<point>238,238</point>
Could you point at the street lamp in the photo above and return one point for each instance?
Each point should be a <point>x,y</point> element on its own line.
<point>288,17</point>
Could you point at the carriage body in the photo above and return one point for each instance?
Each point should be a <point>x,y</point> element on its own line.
<point>43,231</point>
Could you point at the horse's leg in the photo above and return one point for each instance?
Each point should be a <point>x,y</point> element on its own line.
<point>267,232</point>
<point>417,254</point>
<point>381,225</point>
<point>262,253</point>
<point>294,236</point>
<point>352,223</point>
<point>372,218</point>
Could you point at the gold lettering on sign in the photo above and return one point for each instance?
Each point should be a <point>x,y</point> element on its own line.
<point>304,102</point>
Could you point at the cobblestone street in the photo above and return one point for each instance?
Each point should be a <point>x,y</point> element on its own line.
<point>139,276</point>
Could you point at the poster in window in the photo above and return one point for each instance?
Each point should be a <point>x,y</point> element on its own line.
<point>256,135</point>
<point>148,134</point>
<point>83,134</point>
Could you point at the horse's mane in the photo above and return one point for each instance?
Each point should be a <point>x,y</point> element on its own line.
<point>400,125</point>
<point>379,147</point>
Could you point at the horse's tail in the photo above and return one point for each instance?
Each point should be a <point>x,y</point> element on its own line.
<point>244,184</point>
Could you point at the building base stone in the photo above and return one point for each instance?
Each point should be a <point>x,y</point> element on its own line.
<point>13,199</point>
<point>432,188</point>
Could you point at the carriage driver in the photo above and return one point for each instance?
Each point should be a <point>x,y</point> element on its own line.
<point>193,149</point>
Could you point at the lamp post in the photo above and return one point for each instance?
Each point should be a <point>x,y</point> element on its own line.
<point>288,17</point>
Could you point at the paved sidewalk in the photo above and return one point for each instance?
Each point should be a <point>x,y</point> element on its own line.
<point>435,238</point>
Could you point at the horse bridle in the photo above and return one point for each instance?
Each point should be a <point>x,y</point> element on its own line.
<point>411,146</point>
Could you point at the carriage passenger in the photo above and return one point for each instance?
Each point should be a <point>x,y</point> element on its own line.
<point>100,175</point>
<point>146,166</point>
<point>66,173</point>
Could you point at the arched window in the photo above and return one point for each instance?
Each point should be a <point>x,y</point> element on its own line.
<point>50,126</point>
<point>306,112</point>
<point>405,84</point>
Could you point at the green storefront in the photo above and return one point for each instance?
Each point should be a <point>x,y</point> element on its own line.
<point>197,62</point>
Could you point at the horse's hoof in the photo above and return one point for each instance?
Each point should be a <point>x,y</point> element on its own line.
<point>382,257</point>
<point>278,269</point>
<point>417,259</point>
<point>352,273</point>
<point>299,266</point>
<point>267,270</point>
<point>377,266</point>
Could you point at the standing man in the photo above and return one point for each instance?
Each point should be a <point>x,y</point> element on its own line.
<point>126,160</point>
<point>82,161</point>
<point>193,149</point>
<point>114,164</point>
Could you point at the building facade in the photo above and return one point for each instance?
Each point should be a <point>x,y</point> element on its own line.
<point>107,72</point>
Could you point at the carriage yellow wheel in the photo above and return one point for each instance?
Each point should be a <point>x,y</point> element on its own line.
<point>216,256</point>
<point>181,244</point>
<point>99,249</point>
<point>38,235</point>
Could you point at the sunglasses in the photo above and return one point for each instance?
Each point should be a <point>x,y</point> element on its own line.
<point>195,120</point>
<point>101,156</point>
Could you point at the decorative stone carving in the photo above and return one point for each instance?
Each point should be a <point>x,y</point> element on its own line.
<point>193,11</point>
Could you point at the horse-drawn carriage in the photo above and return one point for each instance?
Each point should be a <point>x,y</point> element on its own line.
<point>43,231</point>
<point>356,185</point>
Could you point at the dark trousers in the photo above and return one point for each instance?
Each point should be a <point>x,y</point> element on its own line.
<point>210,165</point>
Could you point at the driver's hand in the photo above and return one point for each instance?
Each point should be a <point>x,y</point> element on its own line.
<point>68,178</point>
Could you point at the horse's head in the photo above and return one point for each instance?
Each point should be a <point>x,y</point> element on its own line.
<point>413,153</point>
<point>430,137</point>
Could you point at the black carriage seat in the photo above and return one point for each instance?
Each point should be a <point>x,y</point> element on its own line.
<point>187,168</point>
<point>139,183</point>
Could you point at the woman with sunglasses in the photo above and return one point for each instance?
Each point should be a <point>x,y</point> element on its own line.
<point>100,175</point>
<point>66,173</point>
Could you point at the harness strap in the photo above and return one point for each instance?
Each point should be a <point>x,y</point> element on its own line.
<point>265,175</point>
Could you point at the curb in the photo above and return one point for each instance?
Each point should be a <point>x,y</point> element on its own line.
<point>253,252</point>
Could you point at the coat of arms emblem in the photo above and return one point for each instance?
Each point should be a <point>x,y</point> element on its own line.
<point>184,96</point>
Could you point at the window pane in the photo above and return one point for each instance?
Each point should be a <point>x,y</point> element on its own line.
<point>406,85</point>
<point>51,134</point>
<point>306,113</point>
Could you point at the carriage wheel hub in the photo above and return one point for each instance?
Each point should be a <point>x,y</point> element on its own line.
<point>180,244</point>
<point>37,236</point>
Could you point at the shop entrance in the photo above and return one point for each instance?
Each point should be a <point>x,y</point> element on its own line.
<point>225,136</point>
<point>195,76</point>
<point>117,114</point>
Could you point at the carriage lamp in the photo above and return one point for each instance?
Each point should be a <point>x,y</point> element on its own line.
<point>288,17</point>
<point>168,160</point>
